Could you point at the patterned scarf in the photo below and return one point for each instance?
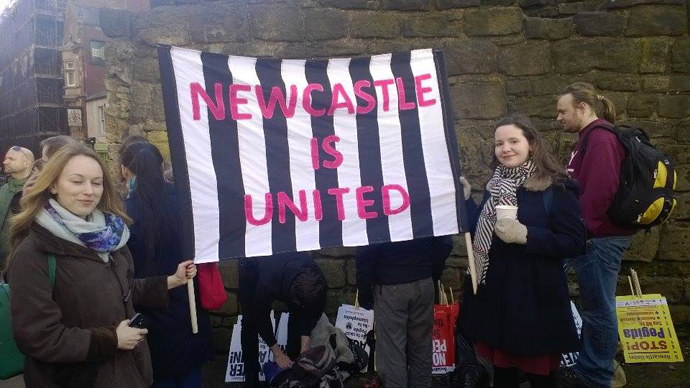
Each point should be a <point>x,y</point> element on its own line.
<point>503,189</point>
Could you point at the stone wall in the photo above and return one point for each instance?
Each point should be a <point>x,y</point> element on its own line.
<point>502,56</point>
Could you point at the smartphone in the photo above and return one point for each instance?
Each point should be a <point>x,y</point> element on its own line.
<point>138,321</point>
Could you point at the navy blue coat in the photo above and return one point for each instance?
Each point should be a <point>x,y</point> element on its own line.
<point>174,349</point>
<point>524,306</point>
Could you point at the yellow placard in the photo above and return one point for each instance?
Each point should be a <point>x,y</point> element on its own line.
<point>646,330</point>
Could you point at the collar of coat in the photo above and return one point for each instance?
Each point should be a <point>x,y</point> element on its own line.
<point>538,183</point>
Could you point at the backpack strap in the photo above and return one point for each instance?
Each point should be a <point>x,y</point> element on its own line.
<point>608,127</point>
<point>52,263</point>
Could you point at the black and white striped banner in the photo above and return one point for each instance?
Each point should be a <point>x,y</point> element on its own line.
<point>277,155</point>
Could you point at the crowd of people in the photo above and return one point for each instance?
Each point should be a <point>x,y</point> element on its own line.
<point>117,249</point>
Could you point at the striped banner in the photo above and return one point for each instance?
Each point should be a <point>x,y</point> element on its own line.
<point>275,155</point>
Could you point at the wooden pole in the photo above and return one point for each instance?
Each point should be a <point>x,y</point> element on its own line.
<point>632,290</point>
<point>192,305</point>
<point>470,257</point>
<point>357,300</point>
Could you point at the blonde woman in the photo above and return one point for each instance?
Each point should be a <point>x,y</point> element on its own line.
<point>76,333</point>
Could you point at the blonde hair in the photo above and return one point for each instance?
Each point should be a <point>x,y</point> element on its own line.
<point>585,92</point>
<point>39,194</point>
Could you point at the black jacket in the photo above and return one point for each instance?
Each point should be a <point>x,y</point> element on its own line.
<point>398,263</point>
<point>174,348</point>
<point>524,306</point>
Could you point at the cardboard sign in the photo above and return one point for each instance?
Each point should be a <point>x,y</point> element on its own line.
<point>646,330</point>
<point>443,359</point>
<point>355,323</point>
<point>570,359</point>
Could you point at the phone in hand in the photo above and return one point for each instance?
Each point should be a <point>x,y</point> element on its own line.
<point>138,321</point>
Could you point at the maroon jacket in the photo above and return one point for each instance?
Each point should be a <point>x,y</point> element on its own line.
<point>598,175</point>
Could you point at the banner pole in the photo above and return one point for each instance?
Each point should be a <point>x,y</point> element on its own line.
<point>192,305</point>
<point>470,258</point>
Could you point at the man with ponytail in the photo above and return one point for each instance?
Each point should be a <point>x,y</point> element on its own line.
<point>596,164</point>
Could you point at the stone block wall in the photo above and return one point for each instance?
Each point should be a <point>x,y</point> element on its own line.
<point>502,56</point>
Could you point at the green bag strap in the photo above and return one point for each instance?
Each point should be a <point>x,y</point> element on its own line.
<point>51,270</point>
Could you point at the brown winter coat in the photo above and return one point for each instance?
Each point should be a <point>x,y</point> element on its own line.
<point>68,334</point>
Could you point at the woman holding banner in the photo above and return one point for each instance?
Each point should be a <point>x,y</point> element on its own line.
<point>71,277</point>
<point>156,246</point>
<point>530,221</point>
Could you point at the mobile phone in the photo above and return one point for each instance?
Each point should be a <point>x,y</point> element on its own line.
<point>138,321</point>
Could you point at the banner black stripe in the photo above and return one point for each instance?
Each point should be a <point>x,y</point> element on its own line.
<point>226,161</point>
<point>371,172</point>
<point>415,170</point>
<point>277,155</point>
<point>177,150</point>
<point>330,228</point>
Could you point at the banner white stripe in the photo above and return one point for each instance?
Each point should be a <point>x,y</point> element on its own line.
<point>345,127</point>
<point>436,156</point>
<point>188,68</point>
<point>301,171</point>
<point>252,143</point>
<point>392,163</point>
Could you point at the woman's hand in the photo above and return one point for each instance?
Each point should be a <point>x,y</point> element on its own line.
<point>511,231</point>
<point>129,337</point>
<point>185,270</point>
<point>466,187</point>
<point>280,358</point>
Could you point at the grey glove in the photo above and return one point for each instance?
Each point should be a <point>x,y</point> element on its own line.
<point>511,231</point>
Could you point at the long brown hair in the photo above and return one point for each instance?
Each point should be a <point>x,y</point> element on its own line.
<point>585,92</point>
<point>39,194</point>
<point>547,166</point>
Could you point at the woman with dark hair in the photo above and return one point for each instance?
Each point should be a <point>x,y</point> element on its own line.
<point>155,243</point>
<point>520,317</point>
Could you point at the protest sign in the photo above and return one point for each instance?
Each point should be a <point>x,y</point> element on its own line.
<point>570,359</point>
<point>646,330</point>
<point>235,370</point>
<point>355,322</point>
<point>274,155</point>
<point>443,359</point>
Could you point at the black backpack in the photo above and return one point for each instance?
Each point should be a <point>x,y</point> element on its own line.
<point>645,196</point>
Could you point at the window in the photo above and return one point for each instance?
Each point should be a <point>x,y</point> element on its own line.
<point>97,49</point>
<point>101,119</point>
<point>69,65</point>
<point>70,78</point>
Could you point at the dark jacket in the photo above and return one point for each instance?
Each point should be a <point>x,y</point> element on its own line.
<point>275,275</point>
<point>68,333</point>
<point>597,170</point>
<point>174,348</point>
<point>524,306</point>
<point>398,263</point>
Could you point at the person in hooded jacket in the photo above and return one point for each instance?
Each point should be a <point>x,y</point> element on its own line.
<point>76,333</point>
<point>520,317</point>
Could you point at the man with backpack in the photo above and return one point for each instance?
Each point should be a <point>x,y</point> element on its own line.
<point>597,169</point>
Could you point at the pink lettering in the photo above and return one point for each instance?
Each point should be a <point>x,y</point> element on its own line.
<point>338,192</point>
<point>306,100</point>
<point>363,203</point>
<point>404,105</point>
<point>249,212</point>
<point>288,109</point>
<point>284,200</point>
<point>235,101</point>
<point>318,209</point>
<point>371,102</point>
<point>315,153</point>
<point>421,90</point>
<point>385,193</point>
<point>217,108</point>
<point>338,91</point>
<point>384,84</point>
<point>330,150</point>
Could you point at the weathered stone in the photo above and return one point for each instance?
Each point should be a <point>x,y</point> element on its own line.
<point>671,288</point>
<point>494,21</point>
<point>678,153</point>
<point>542,106</point>
<point>142,93</point>
<point>598,24</point>
<point>680,56</point>
<point>352,272</point>
<point>573,8</point>
<point>582,55</point>
<point>683,182</point>
<point>641,105</point>
<point>219,23</point>
<point>657,268</point>
<point>683,131</point>
<point>533,3</point>
<point>406,5</point>
<point>667,84</point>
<point>631,3</point>
<point>229,272</point>
<point>229,321</point>
<point>334,272</point>
<point>509,40</point>
<point>617,82</point>
<point>334,298</point>
<point>471,57</point>
<point>216,321</point>
<point>115,23</point>
<point>497,3</point>
<point>643,247</point>
<point>374,25</point>
<point>338,252</point>
<point>221,339</point>
<point>157,109</point>
<point>451,278</point>
<point>230,307</point>
<point>553,85</point>
<point>682,211</point>
<point>551,29</point>
<point>653,54</point>
<point>675,242</point>
<point>479,100</point>
<point>350,4</point>
<point>529,58</point>
<point>164,25</point>
<point>430,27</point>
<point>459,246</point>
<point>449,4</point>
<point>681,319</point>
<point>674,107</point>
<point>320,24</point>
<point>518,87</point>
<point>277,22</point>
<point>657,20</point>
